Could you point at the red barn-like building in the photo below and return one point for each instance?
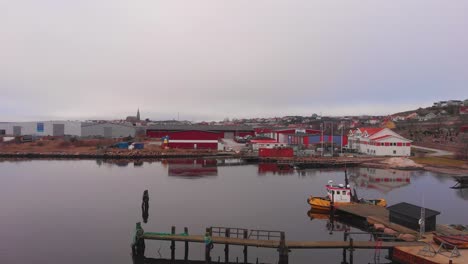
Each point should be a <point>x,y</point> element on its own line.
<point>197,136</point>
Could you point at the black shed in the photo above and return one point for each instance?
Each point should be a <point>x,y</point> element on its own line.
<point>408,215</point>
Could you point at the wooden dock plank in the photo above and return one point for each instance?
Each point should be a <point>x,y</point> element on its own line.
<point>276,243</point>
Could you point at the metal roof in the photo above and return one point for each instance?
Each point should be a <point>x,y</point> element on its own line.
<point>411,210</point>
<point>199,127</point>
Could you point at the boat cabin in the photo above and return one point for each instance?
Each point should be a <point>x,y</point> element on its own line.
<point>338,193</point>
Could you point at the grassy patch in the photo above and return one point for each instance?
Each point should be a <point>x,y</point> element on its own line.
<point>439,161</point>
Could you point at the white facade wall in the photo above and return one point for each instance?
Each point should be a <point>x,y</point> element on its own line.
<point>116,130</point>
<point>72,128</point>
<point>375,148</point>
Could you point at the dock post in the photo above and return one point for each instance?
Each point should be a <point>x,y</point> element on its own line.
<point>145,206</point>
<point>208,245</point>
<point>173,245</point>
<point>344,249</point>
<point>138,244</point>
<point>226,247</point>
<point>283,250</point>
<point>351,250</point>
<point>186,249</point>
<point>245,247</point>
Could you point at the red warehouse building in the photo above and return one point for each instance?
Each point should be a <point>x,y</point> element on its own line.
<point>197,136</point>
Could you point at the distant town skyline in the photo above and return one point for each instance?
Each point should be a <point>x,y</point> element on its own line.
<point>208,60</point>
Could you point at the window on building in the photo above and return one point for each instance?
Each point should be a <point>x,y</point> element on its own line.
<point>394,152</point>
<point>2,132</point>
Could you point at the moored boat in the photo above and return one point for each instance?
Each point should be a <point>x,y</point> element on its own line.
<point>339,194</point>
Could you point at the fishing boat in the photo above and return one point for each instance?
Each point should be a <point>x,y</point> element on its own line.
<point>340,194</point>
<point>461,241</point>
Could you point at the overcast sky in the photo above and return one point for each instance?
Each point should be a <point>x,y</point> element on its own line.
<point>209,60</point>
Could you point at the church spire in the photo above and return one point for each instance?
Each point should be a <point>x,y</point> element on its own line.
<point>138,114</point>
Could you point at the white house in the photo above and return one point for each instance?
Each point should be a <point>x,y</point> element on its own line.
<point>378,142</point>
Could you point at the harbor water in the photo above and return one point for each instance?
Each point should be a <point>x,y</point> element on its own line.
<point>84,211</point>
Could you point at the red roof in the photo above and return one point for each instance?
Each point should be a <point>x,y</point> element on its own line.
<point>381,137</point>
<point>371,130</point>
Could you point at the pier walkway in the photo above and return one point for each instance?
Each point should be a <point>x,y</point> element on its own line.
<point>276,243</point>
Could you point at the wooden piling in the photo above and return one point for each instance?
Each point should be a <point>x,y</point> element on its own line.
<point>226,247</point>
<point>186,248</point>
<point>208,245</point>
<point>173,245</point>
<point>345,234</point>
<point>283,250</point>
<point>351,251</point>
<point>245,247</point>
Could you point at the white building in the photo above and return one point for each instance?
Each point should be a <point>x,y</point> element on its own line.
<point>108,130</point>
<point>42,128</point>
<point>378,142</point>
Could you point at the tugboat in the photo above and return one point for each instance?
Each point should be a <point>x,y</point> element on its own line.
<point>340,194</point>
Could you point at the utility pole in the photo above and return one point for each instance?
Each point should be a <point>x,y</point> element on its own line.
<point>332,147</point>
<point>321,127</point>
<point>342,128</point>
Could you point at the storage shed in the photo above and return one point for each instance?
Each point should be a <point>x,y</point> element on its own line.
<point>408,215</point>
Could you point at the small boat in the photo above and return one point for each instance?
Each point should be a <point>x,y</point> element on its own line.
<point>339,194</point>
<point>461,241</point>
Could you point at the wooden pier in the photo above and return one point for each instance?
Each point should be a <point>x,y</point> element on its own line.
<point>254,238</point>
<point>314,162</point>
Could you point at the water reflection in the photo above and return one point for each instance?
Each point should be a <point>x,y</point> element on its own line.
<point>332,225</point>
<point>379,179</point>
<point>274,168</point>
<point>191,168</point>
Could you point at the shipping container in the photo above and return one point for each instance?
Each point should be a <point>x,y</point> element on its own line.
<point>122,145</point>
<point>139,145</point>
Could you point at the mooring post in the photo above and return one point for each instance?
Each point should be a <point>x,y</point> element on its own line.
<point>245,247</point>
<point>173,245</point>
<point>351,251</point>
<point>186,249</point>
<point>138,244</point>
<point>145,206</point>
<point>226,247</point>
<point>208,245</point>
<point>345,234</point>
<point>283,250</point>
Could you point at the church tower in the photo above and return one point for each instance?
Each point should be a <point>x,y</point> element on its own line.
<point>138,114</point>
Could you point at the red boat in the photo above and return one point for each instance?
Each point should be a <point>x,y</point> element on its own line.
<point>461,241</point>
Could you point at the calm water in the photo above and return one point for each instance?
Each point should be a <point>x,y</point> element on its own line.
<point>85,211</point>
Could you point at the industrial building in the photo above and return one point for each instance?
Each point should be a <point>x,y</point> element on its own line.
<point>282,135</point>
<point>42,128</point>
<point>197,136</point>
<point>378,142</point>
<point>108,130</point>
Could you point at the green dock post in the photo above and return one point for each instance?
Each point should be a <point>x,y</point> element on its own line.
<point>138,244</point>
<point>208,245</point>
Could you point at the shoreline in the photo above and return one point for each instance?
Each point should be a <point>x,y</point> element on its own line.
<point>371,162</point>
